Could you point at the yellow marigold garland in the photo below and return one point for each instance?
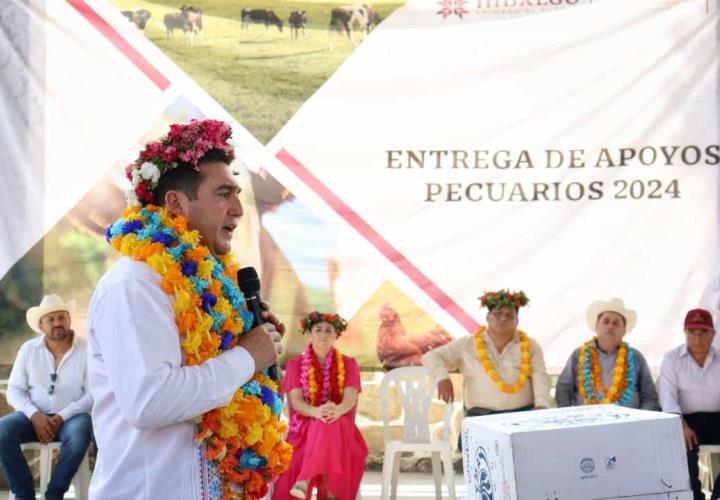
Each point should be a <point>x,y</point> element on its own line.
<point>492,372</point>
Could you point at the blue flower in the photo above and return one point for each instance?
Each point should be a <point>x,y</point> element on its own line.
<point>227,338</point>
<point>188,267</point>
<point>152,217</point>
<point>277,407</point>
<point>149,231</point>
<point>132,226</point>
<point>252,387</point>
<point>217,319</point>
<point>208,301</point>
<point>199,284</point>
<point>177,251</point>
<point>163,238</point>
<point>267,396</point>
<point>247,318</point>
<point>108,233</point>
<point>249,460</point>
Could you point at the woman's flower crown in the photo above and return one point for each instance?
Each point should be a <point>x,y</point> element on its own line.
<point>316,317</point>
<point>504,298</point>
<point>186,143</point>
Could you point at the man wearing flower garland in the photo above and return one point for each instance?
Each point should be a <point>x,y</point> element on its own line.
<point>503,368</point>
<point>689,385</point>
<point>605,369</point>
<point>184,408</point>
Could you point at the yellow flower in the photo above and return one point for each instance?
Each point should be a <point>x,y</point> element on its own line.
<point>191,238</point>
<point>223,306</point>
<point>204,269</point>
<point>128,243</point>
<point>161,262</point>
<point>183,301</point>
<point>228,428</point>
<point>254,433</point>
<point>192,341</point>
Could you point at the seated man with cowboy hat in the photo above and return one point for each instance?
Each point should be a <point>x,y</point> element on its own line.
<point>48,388</point>
<point>605,369</point>
<point>503,368</point>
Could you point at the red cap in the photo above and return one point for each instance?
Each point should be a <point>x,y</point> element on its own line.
<point>699,319</point>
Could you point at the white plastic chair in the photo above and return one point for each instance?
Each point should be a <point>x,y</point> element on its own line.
<point>709,464</point>
<point>81,480</point>
<point>415,387</point>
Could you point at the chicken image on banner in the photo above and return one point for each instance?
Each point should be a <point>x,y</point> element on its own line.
<point>396,347</point>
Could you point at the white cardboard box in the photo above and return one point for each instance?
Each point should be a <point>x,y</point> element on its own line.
<point>577,453</point>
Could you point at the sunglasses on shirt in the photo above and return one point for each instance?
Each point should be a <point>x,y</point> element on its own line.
<point>51,387</point>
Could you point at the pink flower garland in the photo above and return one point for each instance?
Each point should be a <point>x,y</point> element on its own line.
<point>309,363</point>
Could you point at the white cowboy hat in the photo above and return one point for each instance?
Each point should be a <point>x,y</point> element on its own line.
<point>613,305</point>
<point>49,303</point>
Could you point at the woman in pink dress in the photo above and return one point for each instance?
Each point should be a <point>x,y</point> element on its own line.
<point>322,386</point>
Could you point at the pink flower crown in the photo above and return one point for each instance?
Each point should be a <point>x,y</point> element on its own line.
<point>187,143</point>
<point>504,298</point>
<point>316,317</point>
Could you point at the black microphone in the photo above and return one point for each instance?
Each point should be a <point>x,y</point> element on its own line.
<point>249,283</point>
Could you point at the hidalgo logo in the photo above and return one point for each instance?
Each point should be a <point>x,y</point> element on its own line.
<point>587,465</point>
<point>481,477</point>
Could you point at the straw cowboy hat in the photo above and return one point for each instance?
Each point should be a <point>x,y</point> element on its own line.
<point>613,305</point>
<point>49,303</point>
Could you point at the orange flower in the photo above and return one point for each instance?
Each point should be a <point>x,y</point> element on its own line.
<point>197,254</point>
<point>173,277</point>
<point>179,224</point>
<point>215,288</point>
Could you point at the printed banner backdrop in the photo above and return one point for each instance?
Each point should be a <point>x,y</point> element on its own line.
<point>566,148</point>
<point>572,154</point>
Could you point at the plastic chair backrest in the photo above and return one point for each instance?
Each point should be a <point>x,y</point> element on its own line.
<point>415,388</point>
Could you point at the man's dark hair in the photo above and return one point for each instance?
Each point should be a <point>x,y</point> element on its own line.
<point>185,178</point>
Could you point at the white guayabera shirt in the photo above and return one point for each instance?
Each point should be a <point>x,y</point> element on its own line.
<point>145,396</point>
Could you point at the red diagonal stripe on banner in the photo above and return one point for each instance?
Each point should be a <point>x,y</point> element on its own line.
<point>375,239</point>
<point>120,43</point>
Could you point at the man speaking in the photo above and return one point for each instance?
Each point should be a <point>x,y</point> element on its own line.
<point>184,408</point>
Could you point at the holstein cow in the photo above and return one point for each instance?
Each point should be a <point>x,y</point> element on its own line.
<point>260,16</point>
<point>138,17</point>
<point>352,17</point>
<point>297,22</point>
<point>189,20</point>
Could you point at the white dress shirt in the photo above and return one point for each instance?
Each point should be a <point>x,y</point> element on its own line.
<point>145,396</point>
<point>685,386</point>
<point>29,383</point>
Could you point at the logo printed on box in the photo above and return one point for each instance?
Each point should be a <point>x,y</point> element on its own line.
<point>481,478</point>
<point>610,463</point>
<point>587,465</point>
